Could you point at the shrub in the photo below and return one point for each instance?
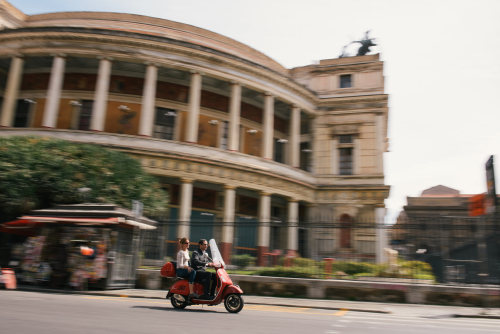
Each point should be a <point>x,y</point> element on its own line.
<point>297,272</point>
<point>353,268</point>
<point>243,261</point>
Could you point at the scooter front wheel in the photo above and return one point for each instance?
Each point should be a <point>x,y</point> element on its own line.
<point>233,303</point>
<point>178,301</point>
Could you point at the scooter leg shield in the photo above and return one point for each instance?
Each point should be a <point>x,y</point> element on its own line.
<point>180,287</point>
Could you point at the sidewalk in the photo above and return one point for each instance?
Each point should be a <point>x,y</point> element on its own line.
<point>372,307</point>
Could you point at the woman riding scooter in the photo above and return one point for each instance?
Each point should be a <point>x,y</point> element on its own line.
<point>183,269</point>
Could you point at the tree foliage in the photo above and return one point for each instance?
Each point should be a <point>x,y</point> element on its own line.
<point>37,172</point>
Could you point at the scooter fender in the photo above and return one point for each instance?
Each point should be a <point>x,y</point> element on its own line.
<point>232,289</point>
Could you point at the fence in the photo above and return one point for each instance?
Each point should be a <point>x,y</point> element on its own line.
<point>457,250</point>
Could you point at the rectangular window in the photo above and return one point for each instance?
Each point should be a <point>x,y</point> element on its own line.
<point>345,161</point>
<point>305,124</point>
<point>305,156</point>
<point>224,135</point>
<point>345,81</point>
<point>164,123</point>
<point>21,117</point>
<point>85,115</point>
<point>279,150</point>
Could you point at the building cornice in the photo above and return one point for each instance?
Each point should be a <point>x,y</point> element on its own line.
<point>193,56</point>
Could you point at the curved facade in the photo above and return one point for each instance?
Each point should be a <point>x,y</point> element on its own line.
<point>234,136</point>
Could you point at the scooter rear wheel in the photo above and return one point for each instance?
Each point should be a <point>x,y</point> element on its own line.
<point>178,301</point>
<point>233,303</point>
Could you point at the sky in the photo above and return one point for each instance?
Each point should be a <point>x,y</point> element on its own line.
<point>441,67</point>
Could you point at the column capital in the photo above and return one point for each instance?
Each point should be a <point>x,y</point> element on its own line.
<point>268,94</point>
<point>60,55</point>
<point>186,180</point>
<point>151,63</point>
<point>264,193</point>
<point>196,72</point>
<point>109,58</point>
<point>292,200</point>
<point>229,187</point>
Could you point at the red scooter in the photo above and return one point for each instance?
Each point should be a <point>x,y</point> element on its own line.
<point>225,290</point>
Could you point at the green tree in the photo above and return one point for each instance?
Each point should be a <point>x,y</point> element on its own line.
<point>38,172</point>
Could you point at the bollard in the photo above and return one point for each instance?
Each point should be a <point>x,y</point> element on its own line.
<point>9,278</point>
<point>328,267</point>
<point>275,255</point>
<point>289,258</point>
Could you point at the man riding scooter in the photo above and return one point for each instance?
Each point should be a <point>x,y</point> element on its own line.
<point>199,262</point>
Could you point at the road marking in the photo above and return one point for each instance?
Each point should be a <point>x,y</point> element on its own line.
<point>341,313</point>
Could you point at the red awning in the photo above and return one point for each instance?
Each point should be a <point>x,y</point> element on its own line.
<point>28,222</point>
<point>78,221</point>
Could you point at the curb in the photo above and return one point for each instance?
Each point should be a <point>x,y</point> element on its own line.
<point>476,316</point>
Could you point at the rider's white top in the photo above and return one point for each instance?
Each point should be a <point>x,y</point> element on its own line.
<point>182,259</point>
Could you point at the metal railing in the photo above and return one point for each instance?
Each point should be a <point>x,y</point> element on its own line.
<point>445,249</point>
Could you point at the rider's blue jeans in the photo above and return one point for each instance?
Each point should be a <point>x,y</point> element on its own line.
<point>183,272</point>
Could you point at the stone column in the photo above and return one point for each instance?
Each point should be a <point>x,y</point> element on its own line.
<point>148,102</point>
<point>295,137</point>
<point>54,92</point>
<point>185,208</point>
<point>314,144</point>
<point>380,142</point>
<point>356,156</point>
<point>381,236</point>
<point>234,117</point>
<point>264,228</point>
<point>335,156</point>
<point>101,96</point>
<point>311,247</point>
<point>293,228</point>
<point>11,91</point>
<point>268,127</point>
<point>228,227</point>
<point>193,108</point>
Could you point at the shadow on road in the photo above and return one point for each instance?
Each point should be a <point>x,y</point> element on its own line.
<point>160,308</point>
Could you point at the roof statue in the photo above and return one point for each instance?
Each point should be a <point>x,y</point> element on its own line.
<point>366,44</point>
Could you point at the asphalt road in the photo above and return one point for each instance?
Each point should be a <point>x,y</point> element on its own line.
<point>41,313</point>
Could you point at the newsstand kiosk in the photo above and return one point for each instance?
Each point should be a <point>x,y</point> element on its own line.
<point>80,246</point>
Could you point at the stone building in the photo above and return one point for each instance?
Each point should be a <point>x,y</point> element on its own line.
<point>438,227</point>
<point>241,143</point>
